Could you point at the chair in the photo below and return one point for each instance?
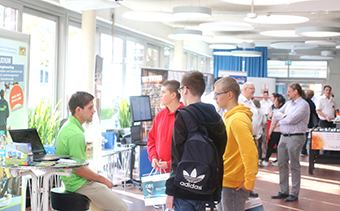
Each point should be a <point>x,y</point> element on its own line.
<point>63,200</point>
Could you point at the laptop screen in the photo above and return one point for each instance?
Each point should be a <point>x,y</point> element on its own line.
<point>28,136</point>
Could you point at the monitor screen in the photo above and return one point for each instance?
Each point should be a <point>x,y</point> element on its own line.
<point>136,133</point>
<point>140,108</point>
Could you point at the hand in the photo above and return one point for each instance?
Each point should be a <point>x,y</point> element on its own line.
<point>270,115</point>
<point>163,165</point>
<point>169,202</point>
<point>328,119</point>
<point>108,183</point>
<point>257,142</point>
<point>155,163</point>
<point>242,187</point>
<point>269,135</point>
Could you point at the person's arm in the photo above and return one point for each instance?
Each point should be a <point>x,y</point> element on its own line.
<point>151,147</point>
<point>7,110</point>
<point>241,129</point>
<point>280,114</point>
<point>90,175</point>
<point>300,112</point>
<point>320,113</point>
<point>177,146</point>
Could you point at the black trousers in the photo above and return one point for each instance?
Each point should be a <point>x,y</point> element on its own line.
<point>274,139</point>
<point>325,123</point>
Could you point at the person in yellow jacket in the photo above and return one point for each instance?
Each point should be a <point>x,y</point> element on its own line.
<point>240,156</point>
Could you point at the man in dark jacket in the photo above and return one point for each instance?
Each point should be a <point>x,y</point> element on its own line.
<point>191,90</point>
<point>4,112</point>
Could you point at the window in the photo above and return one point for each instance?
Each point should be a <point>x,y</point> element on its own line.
<point>42,57</point>
<point>297,69</point>
<point>152,56</point>
<point>168,57</point>
<point>193,62</point>
<point>8,18</point>
<point>203,64</point>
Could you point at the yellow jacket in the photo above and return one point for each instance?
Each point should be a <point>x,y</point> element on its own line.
<point>240,157</point>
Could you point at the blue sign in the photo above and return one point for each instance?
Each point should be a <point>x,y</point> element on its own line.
<point>240,79</point>
<point>10,72</point>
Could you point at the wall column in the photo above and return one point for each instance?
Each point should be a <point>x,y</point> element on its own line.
<point>179,63</point>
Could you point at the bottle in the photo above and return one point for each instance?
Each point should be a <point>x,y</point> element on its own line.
<point>3,143</point>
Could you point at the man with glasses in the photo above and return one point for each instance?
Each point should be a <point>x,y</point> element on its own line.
<point>191,90</point>
<point>240,156</point>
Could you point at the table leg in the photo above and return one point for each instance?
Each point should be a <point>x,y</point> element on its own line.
<point>34,196</point>
<point>46,188</point>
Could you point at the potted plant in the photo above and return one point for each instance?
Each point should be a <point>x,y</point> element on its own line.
<point>123,114</point>
<point>47,122</point>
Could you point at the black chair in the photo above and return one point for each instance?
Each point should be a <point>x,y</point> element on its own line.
<point>63,200</point>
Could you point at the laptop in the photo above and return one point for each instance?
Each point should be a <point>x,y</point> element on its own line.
<point>31,136</point>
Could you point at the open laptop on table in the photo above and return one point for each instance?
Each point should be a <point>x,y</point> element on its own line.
<point>31,136</point>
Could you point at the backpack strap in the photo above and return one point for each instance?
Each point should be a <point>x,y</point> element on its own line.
<point>191,121</point>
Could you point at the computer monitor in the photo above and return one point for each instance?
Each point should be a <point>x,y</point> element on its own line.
<point>136,133</point>
<point>140,108</point>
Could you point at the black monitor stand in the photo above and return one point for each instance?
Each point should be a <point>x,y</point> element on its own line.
<point>136,140</point>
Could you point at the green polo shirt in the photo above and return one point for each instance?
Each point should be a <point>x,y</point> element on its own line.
<point>71,141</point>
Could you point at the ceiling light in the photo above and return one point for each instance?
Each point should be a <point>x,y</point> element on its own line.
<point>292,45</point>
<point>279,33</point>
<point>150,16</point>
<point>246,45</point>
<point>223,39</point>
<point>311,57</point>
<point>191,12</point>
<point>318,31</point>
<point>277,19</point>
<point>226,26</point>
<point>337,47</point>
<point>258,2</point>
<point>328,53</point>
<point>321,42</point>
<point>186,34</point>
<point>246,53</point>
<point>88,4</point>
<point>222,46</point>
<point>222,53</point>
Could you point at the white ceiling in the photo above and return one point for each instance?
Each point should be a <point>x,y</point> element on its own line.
<point>320,13</point>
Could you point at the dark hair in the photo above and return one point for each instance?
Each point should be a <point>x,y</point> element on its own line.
<point>275,94</point>
<point>264,92</point>
<point>257,103</point>
<point>229,84</point>
<point>280,99</point>
<point>172,86</point>
<point>194,81</point>
<point>79,99</point>
<point>2,93</point>
<point>309,94</point>
<point>296,86</point>
<point>327,86</point>
<point>216,79</point>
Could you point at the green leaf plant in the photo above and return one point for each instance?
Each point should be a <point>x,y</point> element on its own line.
<point>46,121</point>
<point>123,114</point>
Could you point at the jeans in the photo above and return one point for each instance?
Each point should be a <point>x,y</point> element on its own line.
<point>233,200</point>
<point>188,205</point>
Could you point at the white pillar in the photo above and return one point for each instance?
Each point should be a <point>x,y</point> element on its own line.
<point>179,63</point>
<point>89,51</point>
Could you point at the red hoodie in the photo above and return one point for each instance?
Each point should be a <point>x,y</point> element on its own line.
<point>160,135</point>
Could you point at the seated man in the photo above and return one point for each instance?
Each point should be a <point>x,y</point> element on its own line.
<point>71,141</point>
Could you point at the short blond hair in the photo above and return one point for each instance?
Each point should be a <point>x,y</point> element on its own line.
<point>229,84</point>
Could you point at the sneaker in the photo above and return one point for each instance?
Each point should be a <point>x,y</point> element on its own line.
<point>253,194</point>
<point>264,163</point>
<point>275,163</point>
<point>304,154</point>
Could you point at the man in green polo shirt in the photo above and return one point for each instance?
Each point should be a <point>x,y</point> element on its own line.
<point>71,141</point>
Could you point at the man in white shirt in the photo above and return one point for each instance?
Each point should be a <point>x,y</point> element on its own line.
<point>326,108</point>
<point>266,104</point>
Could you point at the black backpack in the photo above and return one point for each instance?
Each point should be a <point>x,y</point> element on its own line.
<point>199,169</point>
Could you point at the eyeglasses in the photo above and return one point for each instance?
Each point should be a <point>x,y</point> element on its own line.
<point>251,88</point>
<point>217,94</point>
<point>179,89</point>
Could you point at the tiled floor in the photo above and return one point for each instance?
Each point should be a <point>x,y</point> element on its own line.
<point>319,192</point>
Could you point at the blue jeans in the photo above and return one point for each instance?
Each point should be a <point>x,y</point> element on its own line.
<point>233,200</point>
<point>188,205</point>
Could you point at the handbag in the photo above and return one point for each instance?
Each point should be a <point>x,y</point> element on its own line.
<point>254,204</point>
<point>154,188</point>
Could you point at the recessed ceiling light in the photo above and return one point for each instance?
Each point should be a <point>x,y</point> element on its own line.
<point>246,53</point>
<point>150,16</point>
<point>318,31</point>
<point>222,46</point>
<point>246,45</point>
<point>321,42</point>
<point>226,26</point>
<point>328,53</point>
<point>292,45</point>
<point>279,33</point>
<point>222,53</point>
<point>277,19</point>
<point>223,39</point>
<point>311,57</point>
<point>186,34</point>
<point>337,47</point>
<point>191,12</point>
<point>258,2</point>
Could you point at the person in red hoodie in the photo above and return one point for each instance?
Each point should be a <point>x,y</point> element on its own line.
<point>160,135</point>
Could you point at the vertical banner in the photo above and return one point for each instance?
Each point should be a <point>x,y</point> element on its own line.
<point>14,57</point>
